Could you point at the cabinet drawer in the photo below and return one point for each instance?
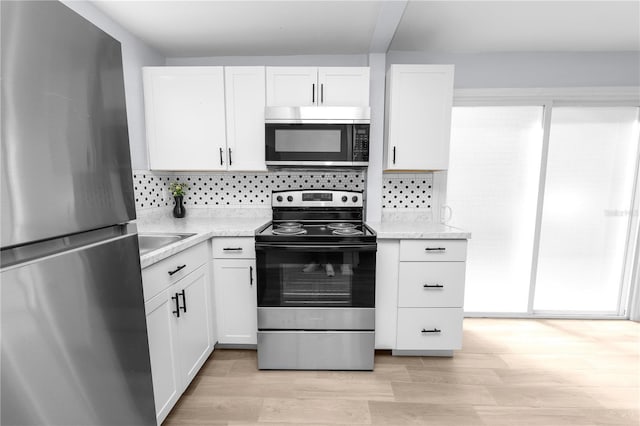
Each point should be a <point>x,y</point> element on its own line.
<point>429,328</point>
<point>234,248</point>
<point>433,250</point>
<point>431,284</point>
<point>157,277</point>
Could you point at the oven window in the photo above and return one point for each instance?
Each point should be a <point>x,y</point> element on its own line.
<point>308,140</point>
<point>316,278</point>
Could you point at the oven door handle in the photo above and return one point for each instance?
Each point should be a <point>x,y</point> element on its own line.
<point>317,248</point>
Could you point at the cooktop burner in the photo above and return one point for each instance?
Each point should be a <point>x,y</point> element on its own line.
<point>283,230</point>
<point>347,231</point>
<point>341,225</point>
<point>289,225</point>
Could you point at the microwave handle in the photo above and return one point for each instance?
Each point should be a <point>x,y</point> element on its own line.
<point>313,93</point>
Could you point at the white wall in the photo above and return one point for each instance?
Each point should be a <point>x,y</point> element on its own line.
<point>135,55</point>
<point>530,69</point>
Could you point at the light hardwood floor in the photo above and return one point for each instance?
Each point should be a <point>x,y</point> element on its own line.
<point>509,372</point>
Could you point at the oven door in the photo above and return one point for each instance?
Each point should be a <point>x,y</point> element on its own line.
<point>316,275</point>
<point>308,144</point>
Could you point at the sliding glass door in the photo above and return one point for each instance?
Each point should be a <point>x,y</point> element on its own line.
<point>550,244</point>
<point>492,190</point>
<point>591,168</point>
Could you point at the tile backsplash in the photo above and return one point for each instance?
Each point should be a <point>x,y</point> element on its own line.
<point>244,189</point>
<point>407,191</point>
<point>401,191</point>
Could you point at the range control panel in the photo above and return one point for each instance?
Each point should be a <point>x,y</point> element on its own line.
<point>317,198</point>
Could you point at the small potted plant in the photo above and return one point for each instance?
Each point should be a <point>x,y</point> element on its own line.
<point>178,189</point>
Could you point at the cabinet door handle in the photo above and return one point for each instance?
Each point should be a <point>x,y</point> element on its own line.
<point>250,275</point>
<point>230,162</point>
<point>177,311</point>
<point>435,330</point>
<point>433,286</point>
<point>322,93</point>
<point>313,93</point>
<point>232,249</point>
<point>184,301</point>
<point>221,162</point>
<point>178,269</point>
<point>394,155</point>
<point>435,249</point>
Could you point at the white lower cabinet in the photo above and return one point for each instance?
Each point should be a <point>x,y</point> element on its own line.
<point>419,296</point>
<point>431,329</point>
<point>387,259</point>
<point>234,280</point>
<point>163,354</point>
<point>178,326</point>
<point>194,336</point>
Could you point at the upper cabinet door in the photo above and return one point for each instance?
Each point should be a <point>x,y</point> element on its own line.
<point>185,118</point>
<point>292,86</point>
<point>419,100</point>
<point>343,86</point>
<point>245,95</point>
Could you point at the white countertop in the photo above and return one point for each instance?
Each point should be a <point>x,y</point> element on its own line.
<point>209,223</point>
<point>204,223</point>
<point>417,230</point>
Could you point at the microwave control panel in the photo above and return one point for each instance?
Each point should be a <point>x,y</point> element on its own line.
<point>361,143</point>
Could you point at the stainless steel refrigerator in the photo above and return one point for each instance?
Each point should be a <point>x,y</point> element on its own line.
<point>74,347</point>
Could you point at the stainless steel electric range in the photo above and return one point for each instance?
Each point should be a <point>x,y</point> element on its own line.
<point>316,267</point>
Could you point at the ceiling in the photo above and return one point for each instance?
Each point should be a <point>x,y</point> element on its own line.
<point>269,28</point>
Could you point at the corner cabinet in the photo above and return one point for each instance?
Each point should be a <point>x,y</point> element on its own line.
<point>419,296</point>
<point>317,86</point>
<point>234,280</point>
<point>418,117</point>
<point>185,118</point>
<point>178,310</point>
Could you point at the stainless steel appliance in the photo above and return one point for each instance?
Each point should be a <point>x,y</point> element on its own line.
<point>317,136</point>
<point>316,283</point>
<point>74,339</point>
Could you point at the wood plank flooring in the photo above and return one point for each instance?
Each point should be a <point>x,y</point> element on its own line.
<point>509,372</point>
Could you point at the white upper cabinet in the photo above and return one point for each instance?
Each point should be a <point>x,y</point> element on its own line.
<point>313,86</point>
<point>245,101</point>
<point>185,118</point>
<point>291,86</point>
<point>418,117</point>
<point>343,86</point>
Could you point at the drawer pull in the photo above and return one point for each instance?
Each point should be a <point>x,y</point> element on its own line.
<point>178,269</point>
<point>177,311</point>
<point>433,286</point>
<point>435,249</point>
<point>232,249</point>
<point>435,330</point>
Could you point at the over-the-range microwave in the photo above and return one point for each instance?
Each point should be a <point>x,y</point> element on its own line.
<point>317,136</point>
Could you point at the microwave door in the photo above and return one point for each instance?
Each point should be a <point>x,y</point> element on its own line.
<point>308,144</point>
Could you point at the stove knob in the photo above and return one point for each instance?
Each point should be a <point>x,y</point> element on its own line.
<point>279,198</point>
<point>289,198</point>
<point>344,198</point>
<point>354,199</point>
